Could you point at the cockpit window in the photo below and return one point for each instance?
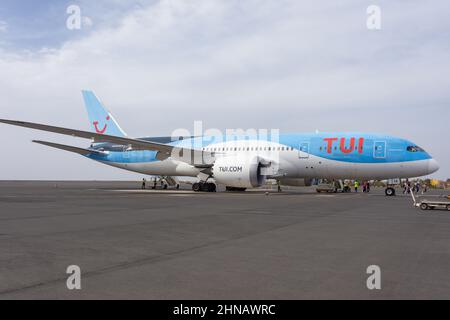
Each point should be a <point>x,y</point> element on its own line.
<point>415,149</point>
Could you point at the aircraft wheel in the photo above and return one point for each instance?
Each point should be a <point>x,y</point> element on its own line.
<point>204,186</point>
<point>424,206</point>
<point>235,189</point>
<point>212,187</point>
<point>196,187</point>
<point>448,207</point>
<point>390,192</point>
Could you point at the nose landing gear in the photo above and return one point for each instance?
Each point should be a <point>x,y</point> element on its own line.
<point>390,192</point>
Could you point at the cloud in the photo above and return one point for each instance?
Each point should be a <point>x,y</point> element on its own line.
<point>239,64</point>
<point>3,26</point>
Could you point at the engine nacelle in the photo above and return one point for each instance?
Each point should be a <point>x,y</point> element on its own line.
<point>296,182</point>
<point>239,172</point>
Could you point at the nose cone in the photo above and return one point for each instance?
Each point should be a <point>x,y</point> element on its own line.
<point>433,166</point>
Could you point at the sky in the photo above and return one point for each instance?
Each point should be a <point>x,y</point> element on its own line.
<point>161,65</point>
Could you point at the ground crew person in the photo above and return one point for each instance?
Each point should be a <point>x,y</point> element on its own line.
<point>356,185</point>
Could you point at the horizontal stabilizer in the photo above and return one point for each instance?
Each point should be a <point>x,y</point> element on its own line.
<point>81,151</point>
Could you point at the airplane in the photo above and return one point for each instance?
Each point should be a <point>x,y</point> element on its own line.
<point>241,162</point>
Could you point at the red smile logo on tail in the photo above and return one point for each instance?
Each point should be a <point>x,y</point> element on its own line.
<point>95,123</point>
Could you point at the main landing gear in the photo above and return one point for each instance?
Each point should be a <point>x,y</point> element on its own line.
<point>235,189</point>
<point>390,192</point>
<point>204,186</point>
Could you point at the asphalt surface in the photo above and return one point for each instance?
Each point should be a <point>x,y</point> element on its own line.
<point>182,245</point>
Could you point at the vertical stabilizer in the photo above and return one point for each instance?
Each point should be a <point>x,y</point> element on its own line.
<point>100,119</point>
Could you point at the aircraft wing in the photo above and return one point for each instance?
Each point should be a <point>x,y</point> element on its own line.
<point>81,151</point>
<point>191,156</point>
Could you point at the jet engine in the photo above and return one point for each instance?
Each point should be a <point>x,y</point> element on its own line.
<point>239,172</point>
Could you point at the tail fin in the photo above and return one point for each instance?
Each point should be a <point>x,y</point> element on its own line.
<point>101,120</point>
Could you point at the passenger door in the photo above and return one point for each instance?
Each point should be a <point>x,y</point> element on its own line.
<point>379,149</point>
<point>303,150</point>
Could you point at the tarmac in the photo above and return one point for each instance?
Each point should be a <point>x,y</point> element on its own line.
<point>177,244</point>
